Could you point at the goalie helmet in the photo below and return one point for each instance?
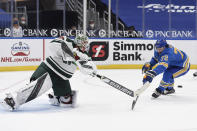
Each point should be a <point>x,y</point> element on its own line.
<point>82,41</point>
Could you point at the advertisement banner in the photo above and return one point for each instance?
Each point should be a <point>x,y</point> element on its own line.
<point>159,18</point>
<point>106,53</point>
<point>175,19</point>
<point>133,51</point>
<point>21,52</point>
<point>121,51</point>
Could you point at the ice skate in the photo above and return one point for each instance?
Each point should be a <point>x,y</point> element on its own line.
<point>53,100</point>
<point>64,101</point>
<point>157,93</point>
<point>9,103</point>
<point>169,91</point>
<point>74,98</point>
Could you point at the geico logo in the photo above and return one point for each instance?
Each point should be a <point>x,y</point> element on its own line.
<point>170,8</point>
<point>132,46</point>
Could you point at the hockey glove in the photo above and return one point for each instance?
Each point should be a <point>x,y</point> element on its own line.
<point>87,67</point>
<point>149,76</point>
<point>81,55</point>
<point>146,67</point>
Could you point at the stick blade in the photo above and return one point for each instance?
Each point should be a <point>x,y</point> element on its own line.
<point>134,102</point>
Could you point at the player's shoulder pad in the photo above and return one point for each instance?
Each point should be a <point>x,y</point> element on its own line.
<point>169,52</point>
<point>71,41</point>
<point>58,40</point>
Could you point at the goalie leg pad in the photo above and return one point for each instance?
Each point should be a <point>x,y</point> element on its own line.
<point>34,89</point>
<point>28,92</point>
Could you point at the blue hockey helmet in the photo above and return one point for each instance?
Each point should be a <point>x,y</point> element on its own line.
<point>160,43</point>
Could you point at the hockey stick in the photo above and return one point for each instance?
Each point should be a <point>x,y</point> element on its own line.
<point>116,85</point>
<point>134,102</point>
<point>138,92</point>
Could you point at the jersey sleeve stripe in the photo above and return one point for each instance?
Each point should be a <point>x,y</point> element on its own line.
<point>162,64</point>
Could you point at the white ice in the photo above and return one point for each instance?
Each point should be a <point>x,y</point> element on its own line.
<point>104,108</point>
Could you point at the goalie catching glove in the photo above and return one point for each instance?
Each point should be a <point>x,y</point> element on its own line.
<point>87,67</point>
<point>149,76</point>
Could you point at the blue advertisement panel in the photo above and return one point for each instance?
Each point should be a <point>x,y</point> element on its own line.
<point>5,19</point>
<point>170,19</point>
<point>155,18</point>
<point>184,17</point>
<point>128,12</point>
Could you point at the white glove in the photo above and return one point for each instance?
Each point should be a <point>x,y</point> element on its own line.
<point>87,67</point>
<point>81,55</point>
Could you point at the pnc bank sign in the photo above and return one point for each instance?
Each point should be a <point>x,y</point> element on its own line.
<point>169,34</point>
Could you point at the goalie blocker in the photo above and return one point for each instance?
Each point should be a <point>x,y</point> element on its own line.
<point>27,93</point>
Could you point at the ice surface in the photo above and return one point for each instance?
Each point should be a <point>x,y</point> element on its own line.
<point>103,108</point>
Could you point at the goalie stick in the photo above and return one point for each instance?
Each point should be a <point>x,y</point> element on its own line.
<point>116,85</point>
<point>124,89</point>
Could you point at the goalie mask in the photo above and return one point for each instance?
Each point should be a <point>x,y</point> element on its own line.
<point>82,42</point>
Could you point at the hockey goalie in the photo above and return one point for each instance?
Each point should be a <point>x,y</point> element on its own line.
<point>55,72</point>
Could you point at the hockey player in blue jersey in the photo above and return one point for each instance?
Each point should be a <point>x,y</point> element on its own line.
<point>168,60</point>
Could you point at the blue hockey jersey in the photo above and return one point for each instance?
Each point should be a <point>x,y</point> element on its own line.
<point>169,57</point>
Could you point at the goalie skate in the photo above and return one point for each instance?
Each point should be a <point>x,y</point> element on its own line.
<point>9,103</point>
<point>63,101</point>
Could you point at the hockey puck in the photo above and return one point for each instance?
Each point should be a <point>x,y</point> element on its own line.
<point>180,86</point>
<point>195,74</point>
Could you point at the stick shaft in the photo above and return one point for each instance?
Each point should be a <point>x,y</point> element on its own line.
<point>116,85</point>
